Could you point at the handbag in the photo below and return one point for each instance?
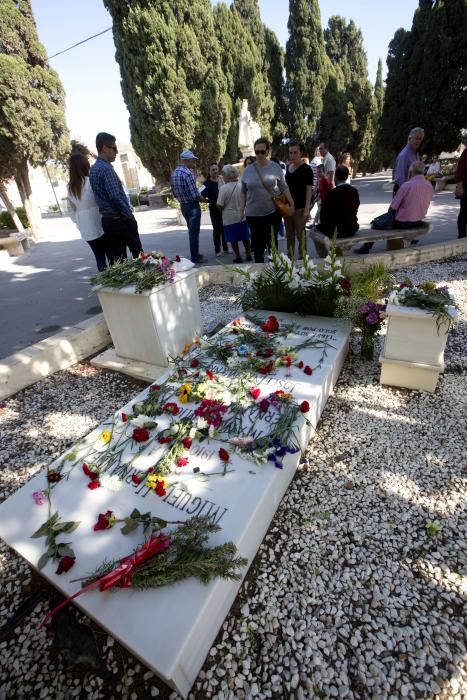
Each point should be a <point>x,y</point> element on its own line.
<point>280,200</point>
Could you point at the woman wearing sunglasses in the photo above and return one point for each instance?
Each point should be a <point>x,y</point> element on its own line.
<point>261,182</point>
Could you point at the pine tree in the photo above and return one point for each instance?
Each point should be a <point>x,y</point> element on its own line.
<point>352,90</point>
<point>306,68</point>
<point>172,80</point>
<point>32,102</point>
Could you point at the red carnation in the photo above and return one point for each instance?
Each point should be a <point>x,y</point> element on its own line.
<point>187,442</point>
<point>266,369</point>
<point>171,407</point>
<point>223,454</point>
<point>182,461</point>
<point>91,474</point>
<point>271,325</point>
<point>155,387</point>
<point>136,479</point>
<point>140,435</point>
<point>164,440</point>
<point>194,363</point>
<point>104,521</point>
<point>65,564</point>
<point>308,370</point>
<point>94,484</point>
<point>124,417</point>
<point>210,374</point>
<point>160,490</point>
<point>255,392</point>
<point>304,407</point>
<point>300,365</point>
<point>53,477</point>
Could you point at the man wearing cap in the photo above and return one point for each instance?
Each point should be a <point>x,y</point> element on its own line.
<point>184,188</point>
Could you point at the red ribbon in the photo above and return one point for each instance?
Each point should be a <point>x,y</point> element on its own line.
<point>122,575</point>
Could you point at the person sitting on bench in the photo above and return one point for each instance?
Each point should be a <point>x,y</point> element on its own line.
<point>410,204</point>
<point>339,209</point>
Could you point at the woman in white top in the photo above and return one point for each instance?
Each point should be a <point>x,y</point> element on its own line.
<point>235,225</point>
<point>83,209</point>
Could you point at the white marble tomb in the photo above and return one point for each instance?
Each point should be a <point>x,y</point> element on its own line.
<point>171,629</point>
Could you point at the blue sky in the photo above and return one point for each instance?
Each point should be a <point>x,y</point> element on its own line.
<point>91,76</point>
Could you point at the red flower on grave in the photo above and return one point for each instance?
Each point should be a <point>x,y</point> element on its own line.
<point>254,392</point>
<point>300,365</point>
<point>271,325</point>
<point>154,387</point>
<point>194,363</point>
<point>237,322</point>
<point>171,407</point>
<point>224,455</point>
<point>164,440</point>
<point>177,258</point>
<point>94,484</point>
<point>160,490</point>
<point>266,369</point>
<point>286,360</point>
<point>308,370</point>
<point>267,352</point>
<point>304,407</point>
<point>187,442</point>
<point>91,474</point>
<point>140,435</point>
<point>264,405</point>
<point>136,479</point>
<point>345,285</point>
<point>65,564</point>
<point>210,374</point>
<point>182,461</point>
<point>105,521</point>
<point>124,417</point>
<point>53,477</point>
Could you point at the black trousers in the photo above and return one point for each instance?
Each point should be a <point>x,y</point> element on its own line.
<point>99,248</point>
<point>217,229</point>
<point>121,234</point>
<point>462,218</point>
<point>261,228</point>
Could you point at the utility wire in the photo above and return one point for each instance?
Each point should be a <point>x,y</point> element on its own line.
<point>79,43</point>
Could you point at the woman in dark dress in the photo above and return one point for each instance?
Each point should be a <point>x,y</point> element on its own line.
<point>299,178</point>
<point>211,193</point>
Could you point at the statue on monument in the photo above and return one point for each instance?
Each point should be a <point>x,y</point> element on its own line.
<point>248,131</point>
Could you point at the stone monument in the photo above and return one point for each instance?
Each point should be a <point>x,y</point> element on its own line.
<point>248,131</point>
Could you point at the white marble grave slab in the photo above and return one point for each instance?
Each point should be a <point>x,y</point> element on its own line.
<point>171,629</point>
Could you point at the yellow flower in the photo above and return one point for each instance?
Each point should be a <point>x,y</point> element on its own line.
<point>185,391</point>
<point>106,436</point>
<point>154,479</point>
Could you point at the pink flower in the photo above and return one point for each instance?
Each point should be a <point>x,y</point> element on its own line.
<point>182,461</point>
<point>39,498</point>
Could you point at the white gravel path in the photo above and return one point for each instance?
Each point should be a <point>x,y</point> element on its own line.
<point>349,595</point>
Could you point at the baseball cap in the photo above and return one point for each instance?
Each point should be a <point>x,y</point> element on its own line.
<point>188,155</point>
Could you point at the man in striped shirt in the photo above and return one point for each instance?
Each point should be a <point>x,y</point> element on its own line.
<point>184,188</point>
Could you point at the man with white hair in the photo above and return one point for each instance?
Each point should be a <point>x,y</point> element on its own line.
<point>185,191</point>
<point>409,154</point>
<point>410,204</point>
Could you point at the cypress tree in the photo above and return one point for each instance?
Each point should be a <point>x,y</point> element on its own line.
<point>306,68</point>
<point>379,90</point>
<point>172,80</point>
<point>32,102</point>
<point>344,47</point>
<point>274,66</point>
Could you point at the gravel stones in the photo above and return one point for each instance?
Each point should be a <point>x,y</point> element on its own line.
<point>353,594</point>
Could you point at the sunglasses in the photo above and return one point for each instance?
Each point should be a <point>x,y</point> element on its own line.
<point>260,153</point>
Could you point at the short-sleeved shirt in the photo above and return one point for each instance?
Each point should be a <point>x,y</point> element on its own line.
<point>258,199</point>
<point>229,200</point>
<point>298,181</point>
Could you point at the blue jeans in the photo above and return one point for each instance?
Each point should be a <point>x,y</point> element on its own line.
<point>192,213</point>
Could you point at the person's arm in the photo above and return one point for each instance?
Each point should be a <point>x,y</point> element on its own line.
<point>221,198</point>
<point>288,197</point>
<point>242,202</point>
<point>116,194</point>
<point>397,201</point>
<point>71,206</point>
<point>193,190</point>
<point>309,193</point>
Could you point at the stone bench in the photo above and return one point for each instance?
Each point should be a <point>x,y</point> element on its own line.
<point>15,242</point>
<point>396,239</point>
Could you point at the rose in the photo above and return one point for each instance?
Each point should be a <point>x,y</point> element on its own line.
<point>300,365</point>
<point>187,442</point>
<point>308,370</point>
<point>65,564</point>
<point>182,461</point>
<point>224,455</point>
<point>140,435</point>
<point>105,521</point>
<point>194,363</point>
<point>124,417</point>
<point>271,325</point>
<point>304,407</point>
<point>254,392</point>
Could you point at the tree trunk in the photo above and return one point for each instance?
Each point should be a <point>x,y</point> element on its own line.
<point>24,187</point>
<point>10,208</point>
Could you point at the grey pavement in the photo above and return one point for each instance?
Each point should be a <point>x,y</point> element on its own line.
<point>47,289</point>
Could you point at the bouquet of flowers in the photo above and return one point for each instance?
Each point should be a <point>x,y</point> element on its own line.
<point>147,271</point>
<point>427,296</point>
<point>370,318</point>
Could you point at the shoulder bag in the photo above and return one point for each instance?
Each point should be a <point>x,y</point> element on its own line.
<point>280,200</point>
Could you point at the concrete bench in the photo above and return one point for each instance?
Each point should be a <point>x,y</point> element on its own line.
<point>396,239</point>
<point>15,242</point>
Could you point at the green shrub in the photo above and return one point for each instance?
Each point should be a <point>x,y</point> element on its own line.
<point>7,222</point>
<point>134,199</point>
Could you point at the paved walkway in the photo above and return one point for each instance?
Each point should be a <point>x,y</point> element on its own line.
<point>47,289</point>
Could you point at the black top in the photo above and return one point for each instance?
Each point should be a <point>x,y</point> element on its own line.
<point>298,181</point>
<point>339,209</point>
<point>211,192</point>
